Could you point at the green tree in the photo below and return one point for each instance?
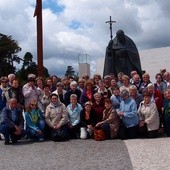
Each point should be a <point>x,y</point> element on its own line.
<point>29,66</point>
<point>9,50</point>
<point>70,72</point>
<point>27,60</point>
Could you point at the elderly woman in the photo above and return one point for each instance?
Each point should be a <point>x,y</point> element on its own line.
<point>60,92</point>
<point>126,83</point>
<point>74,110</point>
<point>159,80</point>
<point>157,98</point>
<point>128,114</point>
<point>111,121</point>
<point>96,79</point>
<point>103,90</point>
<point>113,85</point>
<point>149,117</point>
<point>81,84</point>
<point>73,90</point>
<point>56,117</point>
<point>135,95</point>
<point>98,107</point>
<point>145,82</point>
<point>44,98</point>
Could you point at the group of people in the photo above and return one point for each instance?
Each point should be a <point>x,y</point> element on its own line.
<point>61,109</point>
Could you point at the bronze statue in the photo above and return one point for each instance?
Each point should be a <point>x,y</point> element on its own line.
<point>121,56</point>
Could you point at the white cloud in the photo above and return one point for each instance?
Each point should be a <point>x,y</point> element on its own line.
<point>147,23</point>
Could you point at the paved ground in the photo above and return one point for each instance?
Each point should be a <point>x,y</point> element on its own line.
<point>139,154</point>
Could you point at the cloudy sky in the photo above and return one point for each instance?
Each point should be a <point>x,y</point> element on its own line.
<point>73,28</point>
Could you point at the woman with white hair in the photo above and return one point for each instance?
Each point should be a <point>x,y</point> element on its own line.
<point>11,77</point>
<point>98,107</point>
<point>74,109</point>
<point>157,98</point>
<point>135,95</point>
<point>73,90</point>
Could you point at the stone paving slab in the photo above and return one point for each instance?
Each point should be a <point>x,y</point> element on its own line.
<point>149,154</point>
<point>136,154</point>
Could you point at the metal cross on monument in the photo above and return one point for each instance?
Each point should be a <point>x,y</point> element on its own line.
<point>110,23</point>
<point>38,14</point>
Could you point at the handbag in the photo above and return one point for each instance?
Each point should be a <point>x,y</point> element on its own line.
<point>99,134</point>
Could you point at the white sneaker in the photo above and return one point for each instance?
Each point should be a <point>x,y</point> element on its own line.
<point>2,136</point>
<point>41,139</point>
<point>83,133</point>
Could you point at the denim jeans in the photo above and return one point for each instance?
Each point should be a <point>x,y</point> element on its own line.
<point>32,134</point>
<point>8,133</point>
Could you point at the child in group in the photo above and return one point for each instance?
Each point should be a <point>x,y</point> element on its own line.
<point>35,124</point>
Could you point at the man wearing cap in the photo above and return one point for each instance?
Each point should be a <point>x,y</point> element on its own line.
<point>30,91</point>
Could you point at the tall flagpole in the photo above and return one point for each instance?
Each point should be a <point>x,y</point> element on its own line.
<point>38,14</point>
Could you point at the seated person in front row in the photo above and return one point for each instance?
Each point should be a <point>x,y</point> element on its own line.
<point>74,110</point>
<point>111,121</point>
<point>35,124</point>
<point>87,121</point>
<point>56,117</point>
<point>12,122</point>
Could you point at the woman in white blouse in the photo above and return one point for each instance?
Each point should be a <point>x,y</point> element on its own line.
<point>148,116</point>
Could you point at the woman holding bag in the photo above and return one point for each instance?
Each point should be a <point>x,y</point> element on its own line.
<point>110,122</point>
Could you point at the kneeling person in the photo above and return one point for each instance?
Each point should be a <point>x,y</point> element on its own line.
<point>56,117</point>
<point>12,122</point>
<point>111,121</point>
<point>35,123</point>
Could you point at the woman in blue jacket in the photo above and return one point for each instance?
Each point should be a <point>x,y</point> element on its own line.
<point>35,124</point>
<point>129,116</point>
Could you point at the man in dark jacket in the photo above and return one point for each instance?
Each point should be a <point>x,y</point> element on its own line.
<point>12,122</point>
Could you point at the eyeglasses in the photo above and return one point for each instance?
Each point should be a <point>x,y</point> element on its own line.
<point>33,104</point>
